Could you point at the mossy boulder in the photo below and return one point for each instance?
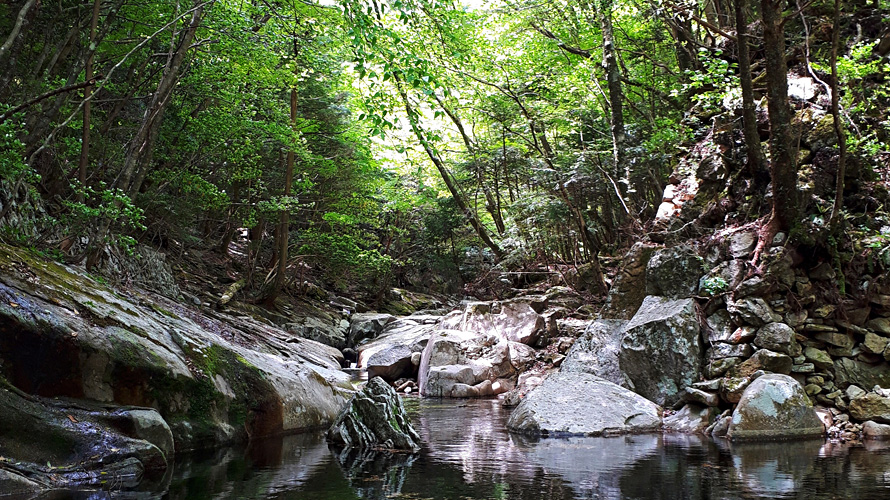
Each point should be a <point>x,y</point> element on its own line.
<point>214,378</point>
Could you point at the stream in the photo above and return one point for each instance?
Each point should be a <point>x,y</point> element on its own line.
<point>467,454</point>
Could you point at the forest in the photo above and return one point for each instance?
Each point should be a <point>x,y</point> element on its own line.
<point>417,143</point>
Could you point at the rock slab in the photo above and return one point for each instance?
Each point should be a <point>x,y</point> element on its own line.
<point>579,403</point>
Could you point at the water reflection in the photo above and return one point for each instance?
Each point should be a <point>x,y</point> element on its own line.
<point>468,455</point>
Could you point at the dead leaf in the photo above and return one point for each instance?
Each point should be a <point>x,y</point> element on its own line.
<point>72,419</point>
<point>13,304</point>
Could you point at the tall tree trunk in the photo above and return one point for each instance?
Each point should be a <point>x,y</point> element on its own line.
<point>87,92</point>
<point>141,149</point>
<point>749,110</point>
<point>838,123</point>
<point>282,234</point>
<point>783,164</point>
<point>616,93</point>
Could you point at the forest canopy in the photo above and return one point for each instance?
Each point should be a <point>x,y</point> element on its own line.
<point>412,143</point>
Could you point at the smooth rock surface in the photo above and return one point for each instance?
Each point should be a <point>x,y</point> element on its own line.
<point>691,419</point>
<point>774,407</point>
<point>578,403</point>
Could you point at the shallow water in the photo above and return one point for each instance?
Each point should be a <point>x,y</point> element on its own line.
<point>468,455</point>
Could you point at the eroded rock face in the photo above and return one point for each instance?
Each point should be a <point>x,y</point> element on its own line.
<point>774,407</point>
<point>578,403</point>
<point>56,444</point>
<point>213,378</point>
<point>661,349</point>
<point>375,419</point>
<point>629,289</point>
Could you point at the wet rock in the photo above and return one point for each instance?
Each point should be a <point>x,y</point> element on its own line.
<point>674,272</point>
<point>55,444</point>
<point>374,418</point>
<point>629,288</point>
<point>661,349</point>
<point>876,431</point>
<point>871,407</point>
<point>367,326</point>
<point>691,419</point>
<point>774,407</point>
<point>578,403</point>
<point>777,337</point>
<point>596,351</point>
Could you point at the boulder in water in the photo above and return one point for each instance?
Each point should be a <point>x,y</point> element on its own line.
<point>375,418</point>
<point>774,407</point>
<point>579,403</point>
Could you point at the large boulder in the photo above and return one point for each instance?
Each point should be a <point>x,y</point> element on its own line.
<point>375,419</point>
<point>514,320</point>
<point>661,349</point>
<point>674,272</point>
<point>212,376</point>
<point>629,288</point>
<point>581,404</point>
<point>390,354</point>
<point>463,364</point>
<point>774,407</point>
<point>596,351</point>
<point>366,326</point>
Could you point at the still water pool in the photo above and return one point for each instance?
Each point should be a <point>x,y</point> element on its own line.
<point>468,455</point>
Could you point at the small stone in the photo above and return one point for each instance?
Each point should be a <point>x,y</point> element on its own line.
<point>875,344</point>
<point>795,319</point>
<point>842,340</point>
<point>880,325</point>
<point>708,385</point>
<point>777,337</point>
<point>743,334</point>
<point>742,243</point>
<point>731,388</point>
<point>841,352</point>
<point>720,351</point>
<point>817,327</point>
<point>834,394</point>
<point>765,360</point>
<point>822,272</point>
<point>812,389</point>
<point>703,398</point>
<point>819,358</point>
<point>753,311</point>
<point>803,368</point>
<point>871,407</point>
<point>816,379</point>
<point>854,391</point>
<point>718,367</point>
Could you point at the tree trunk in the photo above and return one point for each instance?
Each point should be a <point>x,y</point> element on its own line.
<point>838,123</point>
<point>616,93</point>
<point>87,92</point>
<point>282,234</point>
<point>749,110</point>
<point>446,176</point>
<point>783,164</point>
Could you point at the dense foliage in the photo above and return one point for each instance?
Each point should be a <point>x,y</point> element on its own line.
<point>402,142</point>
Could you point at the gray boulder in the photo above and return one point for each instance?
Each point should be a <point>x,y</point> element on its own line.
<point>876,431</point>
<point>661,349</point>
<point>753,311</point>
<point>463,364</point>
<point>774,407</point>
<point>389,355</point>
<point>596,351</point>
<point>514,320</point>
<point>629,288</point>
<point>674,272</point>
<point>366,326</point>
<point>581,404</point>
<point>375,418</point>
